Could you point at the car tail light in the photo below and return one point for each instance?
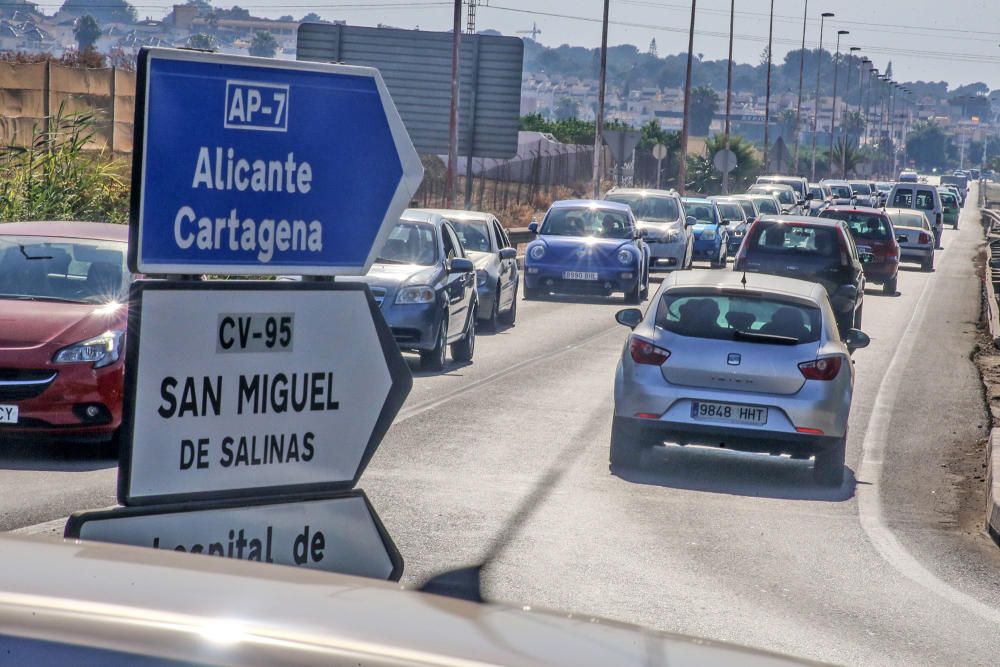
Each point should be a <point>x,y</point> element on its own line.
<point>644,352</point>
<point>824,369</point>
<point>924,237</point>
<point>845,254</point>
<point>739,264</point>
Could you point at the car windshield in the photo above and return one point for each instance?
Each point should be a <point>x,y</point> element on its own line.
<point>732,316</point>
<point>703,212</point>
<point>861,189</point>
<point>792,239</point>
<point>817,193</point>
<point>767,206</point>
<point>908,219</point>
<point>794,184</point>
<point>410,243</point>
<point>587,221</point>
<point>841,191</point>
<point>866,225</point>
<point>474,234</point>
<point>730,211</point>
<point>784,196</point>
<point>62,269</point>
<point>748,209</point>
<point>648,208</point>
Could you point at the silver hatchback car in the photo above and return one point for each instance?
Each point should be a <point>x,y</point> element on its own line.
<point>752,364</point>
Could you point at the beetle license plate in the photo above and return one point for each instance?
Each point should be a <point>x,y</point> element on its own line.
<point>580,275</point>
<point>732,413</point>
<point>8,414</point>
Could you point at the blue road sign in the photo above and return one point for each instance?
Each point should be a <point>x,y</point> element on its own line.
<point>255,166</point>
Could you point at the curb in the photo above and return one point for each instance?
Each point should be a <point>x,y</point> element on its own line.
<point>993,485</point>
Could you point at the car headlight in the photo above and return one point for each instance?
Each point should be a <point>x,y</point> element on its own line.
<point>708,235</point>
<point>625,256</point>
<point>101,351</point>
<point>537,251</point>
<point>481,278</point>
<point>417,294</point>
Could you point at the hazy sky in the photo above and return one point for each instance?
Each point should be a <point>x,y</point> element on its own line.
<point>957,41</point>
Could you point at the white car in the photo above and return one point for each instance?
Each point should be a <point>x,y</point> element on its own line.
<point>752,363</point>
<point>660,217</point>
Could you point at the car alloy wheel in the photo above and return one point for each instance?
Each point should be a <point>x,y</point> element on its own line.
<point>466,347</point>
<point>510,315</point>
<point>434,360</point>
<point>491,323</point>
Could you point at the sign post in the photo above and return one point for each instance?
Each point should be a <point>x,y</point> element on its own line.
<point>251,408</point>
<point>659,152</point>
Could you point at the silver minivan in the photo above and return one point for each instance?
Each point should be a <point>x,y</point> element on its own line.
<point>921,197</point>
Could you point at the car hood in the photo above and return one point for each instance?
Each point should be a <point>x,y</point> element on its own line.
<point>397,275</point>
<point>661,228</point>
<point>28,325</point>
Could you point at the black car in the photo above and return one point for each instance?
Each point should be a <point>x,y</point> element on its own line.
<point>426,288</point>
<point>814,249</point>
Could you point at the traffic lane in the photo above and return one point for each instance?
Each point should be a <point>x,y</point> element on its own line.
<point>717,544</point>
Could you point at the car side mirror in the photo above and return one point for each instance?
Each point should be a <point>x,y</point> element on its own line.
<point>460,265</point>
<point>508,253</point>
<point>629,317</point>
<point>856,339</point>
<point>848,292</point>
<point>690,221</point>
<point>533,227</point>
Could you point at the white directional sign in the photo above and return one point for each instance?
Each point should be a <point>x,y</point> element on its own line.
<point>254,389</point>
<point>336,534</point>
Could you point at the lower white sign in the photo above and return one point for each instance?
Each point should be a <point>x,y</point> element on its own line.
<point>340,534</point>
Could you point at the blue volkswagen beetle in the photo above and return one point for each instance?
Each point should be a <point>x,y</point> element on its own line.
<point>587,247</point>
<point>711,235</point>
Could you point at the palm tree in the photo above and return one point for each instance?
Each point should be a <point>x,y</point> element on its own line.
<point>704,178</point>
<point>853,157</point>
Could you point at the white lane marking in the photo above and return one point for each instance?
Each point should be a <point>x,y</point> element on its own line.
<point>872,458</point>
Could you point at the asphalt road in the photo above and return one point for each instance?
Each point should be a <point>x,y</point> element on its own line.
<point>508,457</point>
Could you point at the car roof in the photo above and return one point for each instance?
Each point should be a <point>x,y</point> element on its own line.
<point>645,192</point>
<point>773,186</point>
<point>697,200</point>
<point>835,181</point>
<point>591,203</point>
<point>94,231</point>
<point>133,598</point>
<point>854,209</point>
<point>422,215</point>
<point>757,282</point>
<point>803,220</point>
<point>454,214</point>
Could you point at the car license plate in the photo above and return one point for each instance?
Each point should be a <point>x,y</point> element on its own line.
<point>8,414</point>
<point>580,275</point>
<point>729,412</point>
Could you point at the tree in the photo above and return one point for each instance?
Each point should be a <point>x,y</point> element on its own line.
<point>926,145</point>
<point>854,157</point>
<point>652,49</point>
<point>853,125</point>
<point>704,103</point>
<point>704,178</point>
<point>87,32</point>
<point>201,41</point>
<point>311,17</point>
<point>786,124</point>
<point>567,108</point>
<point>263,44</point>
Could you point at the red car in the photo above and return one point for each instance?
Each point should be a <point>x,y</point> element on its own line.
<point>873,233</point>
<point>63,309</point>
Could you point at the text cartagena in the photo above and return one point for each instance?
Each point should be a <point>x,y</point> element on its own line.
<point>223,170</point>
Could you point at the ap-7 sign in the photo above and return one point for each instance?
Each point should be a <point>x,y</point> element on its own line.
<point>254,389</point>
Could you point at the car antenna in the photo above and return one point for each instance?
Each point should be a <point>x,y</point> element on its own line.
<point>465,583</point>
<point>743,280</point>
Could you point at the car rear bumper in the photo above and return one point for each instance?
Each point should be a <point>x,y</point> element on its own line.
<point>915,253</point>
<point>880,273</point>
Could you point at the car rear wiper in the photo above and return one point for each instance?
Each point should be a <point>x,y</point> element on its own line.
<point>757,337</point>
<point>27,256</point>
<point>386,260</point>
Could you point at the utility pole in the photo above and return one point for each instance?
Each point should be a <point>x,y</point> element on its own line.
<point>599,125</point>
<point>819,68</point>
<point>686,121</point>
<point>833,110</point>
<point>872,74</point>
<point>845,130</point>
<point>798,107</point>
<point>729,97</point>
<point>767,97</point>
<point>451,175</point>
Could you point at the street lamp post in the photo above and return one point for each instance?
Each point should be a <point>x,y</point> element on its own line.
<point>819,68</point>
<point>833,110</point>
<point>729,98</point>
<point>767,96</point>
<point>846,132</point>
<point>798,107</point>
<point>872,74</point>
<point>599,120</point>
<point>686,121</point>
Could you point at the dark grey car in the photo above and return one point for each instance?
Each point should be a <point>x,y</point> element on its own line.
<point>426,287</point>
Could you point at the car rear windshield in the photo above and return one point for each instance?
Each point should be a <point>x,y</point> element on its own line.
<point>767,206</point>
<point>59,269</point>
<point>730,211</point>
<point>587,221</point>
<point>473,234</point>
<point>793,183</point>
<point>704,212</point>
<point>841,191</point>
<point>908,219</point>
<point>904,199</point>
<point>793,239</point>
<point>649,208</point>
<point>948,199</point>
<point>745,316</point>
<point>866,225</point>
<point>410,243</point>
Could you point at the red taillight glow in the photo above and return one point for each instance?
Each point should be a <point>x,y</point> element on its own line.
<point>644,352</point>
<point>809,431</point>
<point>825,369</point>
<point>924,237</point>
<point>647,415</point>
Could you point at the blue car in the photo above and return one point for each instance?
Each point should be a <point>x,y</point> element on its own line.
<point>587,247</point>
<point>711,234</point>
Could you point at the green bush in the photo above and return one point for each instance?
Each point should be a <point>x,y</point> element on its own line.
<point>56,178</point>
